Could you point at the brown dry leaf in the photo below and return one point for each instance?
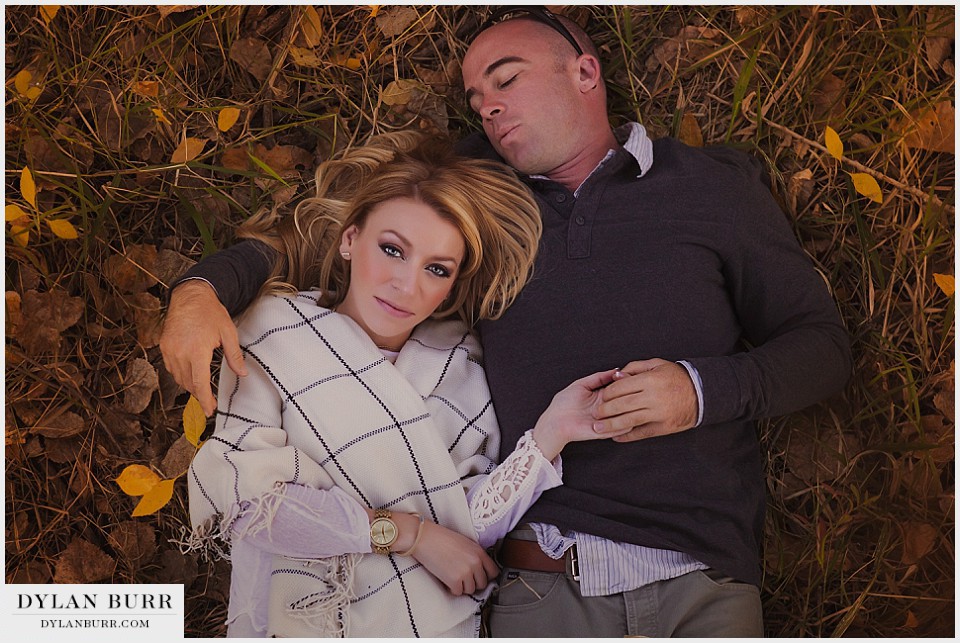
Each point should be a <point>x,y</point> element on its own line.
<point>912,621</point>
<point>166,10</point>
<point>59,424</point>
<point>14,316</point>
<point>71,154</point>
<point>170,265</point>
<point>147,315</point>
<point>829,99</point>
<point>189,149</point>
<point>690,45</point>
<point>750,16</point>
<point>236,158</point>
<point>178,458</point>
<point>393,21</point>
<point>944,399</point>
<point>690,130</point>
<point>176,567</point>
<point>35,572</point>
<point>134,271</point>
<point>45,316</point>
<point>938,42</point>
<point>303,57</point>
<point>399,92</point>
<point>930,129</point>
<point>83,562</point>
<point>253,56</point>
<point>918,541</point>
<point>139,384</point>
<point>135,541</point>
<point>799,189</point>
<point>148,88</point>
<point>311,26</point>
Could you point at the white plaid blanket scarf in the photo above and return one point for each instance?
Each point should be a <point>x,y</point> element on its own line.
<point>321,406</point>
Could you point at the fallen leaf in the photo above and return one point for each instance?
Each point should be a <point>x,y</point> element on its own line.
<point>28,187</point>
<point>13,309</point>
<point>689,46</point>
<point>48,12</point>
<point>867,186</point>
<point>136,480</point>
<point>227,118</point>
<point>147,315</point>
<point>946,283</point>
<point>930,129</point>
<point>166,10</point>
<point>918,541</point>
<point>799,189</point>
<point>139,384</point>
<point>749,17</point>
<point>83,562</point>
<point>194,421</point>
<point>188,150</point>
<point>833,142</point>
<point>155,499</point>
<point>253,56</point>
<point>20,234</point>
<point>62,228</point>
<point>134,271</point>
<point>353,64</point>
<point>912,621</point>
<point>938,41</point>
<point>14,212</point>
<point>178,457</point>
<point>177,567</point>
<point>148,88</point>
<point>22,81</point>
<point>399,92</point>
<point>690,130</point>
<point>303,57</point>
<point>170,265</point>
<point>136,541</point>
<point>311,26</point>
<point>393,21</point>
<point>829,98</point>
<point>45,316</point>
<point>60,425</point>
<point>161,117</point>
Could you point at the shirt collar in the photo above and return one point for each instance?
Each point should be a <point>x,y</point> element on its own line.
<point>633,137</point>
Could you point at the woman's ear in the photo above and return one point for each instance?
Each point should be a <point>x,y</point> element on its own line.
<point>347,238</point>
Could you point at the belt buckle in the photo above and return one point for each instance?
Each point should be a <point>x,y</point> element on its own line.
<point>573,566</point>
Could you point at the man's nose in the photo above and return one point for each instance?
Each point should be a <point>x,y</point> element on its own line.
<point>490,107</point>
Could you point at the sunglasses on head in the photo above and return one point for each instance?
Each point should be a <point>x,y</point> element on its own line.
<point>539,14</point>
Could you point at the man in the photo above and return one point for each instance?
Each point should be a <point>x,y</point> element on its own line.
<point>658,258</point>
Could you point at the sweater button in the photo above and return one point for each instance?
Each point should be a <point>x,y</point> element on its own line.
<point>580,220</point>
<point>561,198</point>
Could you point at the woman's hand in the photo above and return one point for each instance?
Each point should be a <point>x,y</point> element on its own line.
<point>571,416</point>
<point>456,561</point>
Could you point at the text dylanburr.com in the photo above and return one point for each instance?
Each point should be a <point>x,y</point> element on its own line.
<point>82,612</point>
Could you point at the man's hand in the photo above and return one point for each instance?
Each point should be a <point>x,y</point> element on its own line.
<point>654,397</point>
<point>196,323</point>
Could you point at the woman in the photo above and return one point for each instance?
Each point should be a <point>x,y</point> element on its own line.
<point>353,469</point>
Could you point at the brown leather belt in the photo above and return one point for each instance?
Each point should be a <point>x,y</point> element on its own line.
<point>526,554</point>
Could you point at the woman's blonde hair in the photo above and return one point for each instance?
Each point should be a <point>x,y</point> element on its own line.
<point>495,213</point>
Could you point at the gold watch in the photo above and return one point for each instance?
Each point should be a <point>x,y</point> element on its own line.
<point>383,531</point>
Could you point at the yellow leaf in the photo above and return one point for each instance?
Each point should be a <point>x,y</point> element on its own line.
<point>48,12</point>
<point>374,10</point>
<point>931,129</point>
<point>160,116</point>
<point>137,480</point>
<point>20,234</point>
<point>834,145</point>
<point>155,499</point>
<point>353,64</point>
<point>945,282</point>
<point>194,421</point>
<point>33,93</point>
<point>188,150</point>
<point>303,57</point>
<point>22,81</point>
<point>312,27</point>
<point>227,118</point>
<point>62,228</point>
<point>14,212</point>
<point>867,186</point>
<point>28,188</point>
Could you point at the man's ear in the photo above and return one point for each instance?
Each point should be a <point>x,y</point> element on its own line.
<point>590,73</point>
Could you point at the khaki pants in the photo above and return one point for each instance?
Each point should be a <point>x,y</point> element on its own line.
<point>544,604</point>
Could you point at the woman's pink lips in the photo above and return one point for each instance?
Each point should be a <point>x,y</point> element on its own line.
<point>393,310</point>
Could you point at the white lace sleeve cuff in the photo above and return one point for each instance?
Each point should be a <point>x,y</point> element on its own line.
<point>498,502</point>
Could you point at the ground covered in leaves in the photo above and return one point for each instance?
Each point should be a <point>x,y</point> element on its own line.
<point>138,137</point>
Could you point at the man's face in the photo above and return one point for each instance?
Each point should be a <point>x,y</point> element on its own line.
<point>530,106</point>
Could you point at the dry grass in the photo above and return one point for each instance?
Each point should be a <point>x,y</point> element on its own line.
<point>860,529</point>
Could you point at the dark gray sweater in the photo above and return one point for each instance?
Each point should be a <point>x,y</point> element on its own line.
<point>692,261</point>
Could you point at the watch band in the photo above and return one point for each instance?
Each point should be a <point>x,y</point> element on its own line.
<point>383,531</point>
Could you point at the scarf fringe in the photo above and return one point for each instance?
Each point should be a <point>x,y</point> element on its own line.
<point>328,613</point>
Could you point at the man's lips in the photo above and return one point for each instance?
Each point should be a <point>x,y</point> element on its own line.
<point>393,310</point>
<point>505,132</point>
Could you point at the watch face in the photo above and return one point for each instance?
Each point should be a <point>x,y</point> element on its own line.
<point>383,532</point>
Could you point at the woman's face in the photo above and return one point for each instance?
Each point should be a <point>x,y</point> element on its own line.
<point>403,264</point>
